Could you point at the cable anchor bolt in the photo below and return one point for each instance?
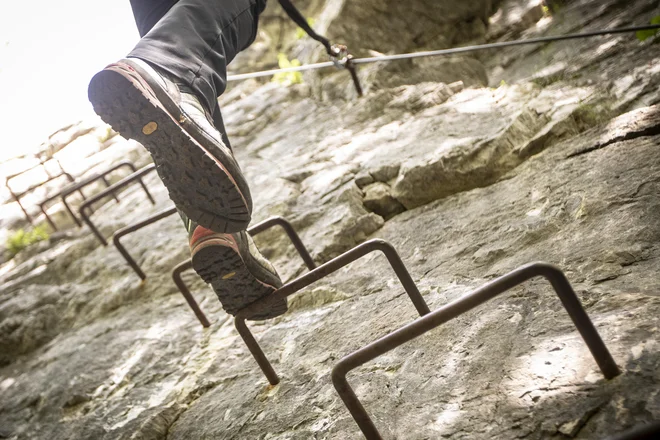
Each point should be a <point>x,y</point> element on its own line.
<point>343,59</point>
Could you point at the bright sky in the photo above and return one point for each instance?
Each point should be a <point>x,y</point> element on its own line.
<point>49,50</point>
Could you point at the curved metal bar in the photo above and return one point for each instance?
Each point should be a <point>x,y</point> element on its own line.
<point>337,263</point>
<point>256,351</point>
<point>77,187</point>
<point>110,190</point>
<point>450,311</point>
<point>49,220</point>
<point>68,208</point>
<point>176,276</point>
<point>107,185</point>
<point>17,196</point>
<point>293,236</point>
<point>256,229</point>
<point>315,275</point>
<point>70,211</point>
<point>17,199</point>
<point>132,228</point>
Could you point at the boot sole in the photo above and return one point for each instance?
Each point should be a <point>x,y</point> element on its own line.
<point>196,181</point>
<point>236,287</point>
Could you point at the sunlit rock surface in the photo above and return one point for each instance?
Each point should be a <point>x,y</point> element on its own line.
<point>557,161</point>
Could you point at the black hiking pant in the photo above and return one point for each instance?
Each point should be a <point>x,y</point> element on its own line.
<point>194,40</point>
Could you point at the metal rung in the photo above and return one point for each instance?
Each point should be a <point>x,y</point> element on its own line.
<point>256,229</point>
<point>133,228</point>
<point>77,187</point>
<point>315,275</point>
<point>136,176</point>
<point>17,197</point>
<point>190,299</point>
<point>456,308</point>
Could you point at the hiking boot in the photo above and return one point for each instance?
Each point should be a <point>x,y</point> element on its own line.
<point>236,270</point>
<point>199,171</point>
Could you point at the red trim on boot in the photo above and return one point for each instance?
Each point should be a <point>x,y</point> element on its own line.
<point>203,237</point>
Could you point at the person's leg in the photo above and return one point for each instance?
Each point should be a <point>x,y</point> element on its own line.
<point>172,78</point>
<point>165,96</point>
<point>236,270</point>
<point>196,40</point>
<point>148,12</point>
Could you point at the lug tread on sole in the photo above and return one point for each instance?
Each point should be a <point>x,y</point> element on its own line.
<point>196,184</point>
<point>235,286</point>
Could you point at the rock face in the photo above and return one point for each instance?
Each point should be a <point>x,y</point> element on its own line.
<point>393,26</point>
<point>559,163</point>
<point>378,198</point>
<point>369,25</point>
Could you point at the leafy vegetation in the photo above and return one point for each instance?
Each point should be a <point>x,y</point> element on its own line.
<point>644,35</point>
<point>287,78</point>
<point>552,7</point>
<point>22,239</point>
<point>104,136</point>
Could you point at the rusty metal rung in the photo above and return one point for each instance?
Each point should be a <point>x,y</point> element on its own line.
<point>256,229</point>
<point>77,187</point>
<point>190,299</point>
<point>17,196</point>
<point>462,305</point>
<point>315,275</point>
<point>136,176</point>
<point>133,228</point>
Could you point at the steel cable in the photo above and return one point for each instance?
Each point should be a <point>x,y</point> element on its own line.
<point>453,51</point>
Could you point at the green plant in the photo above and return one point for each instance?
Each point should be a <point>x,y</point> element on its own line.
<point>644,35</point>
<point>552,7</point>
<point>104,136</point>
<point>21,239</point>
<point>287,78</point>
<point>300,33</point>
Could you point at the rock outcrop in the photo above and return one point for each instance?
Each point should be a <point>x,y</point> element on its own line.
<point>558,160</point>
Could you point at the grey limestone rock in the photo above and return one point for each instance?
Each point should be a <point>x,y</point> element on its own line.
<point>378,198</point>
<point>559,163</point>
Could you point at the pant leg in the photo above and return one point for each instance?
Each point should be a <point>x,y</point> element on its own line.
<point>148,12</point>
<point>196,39</point>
